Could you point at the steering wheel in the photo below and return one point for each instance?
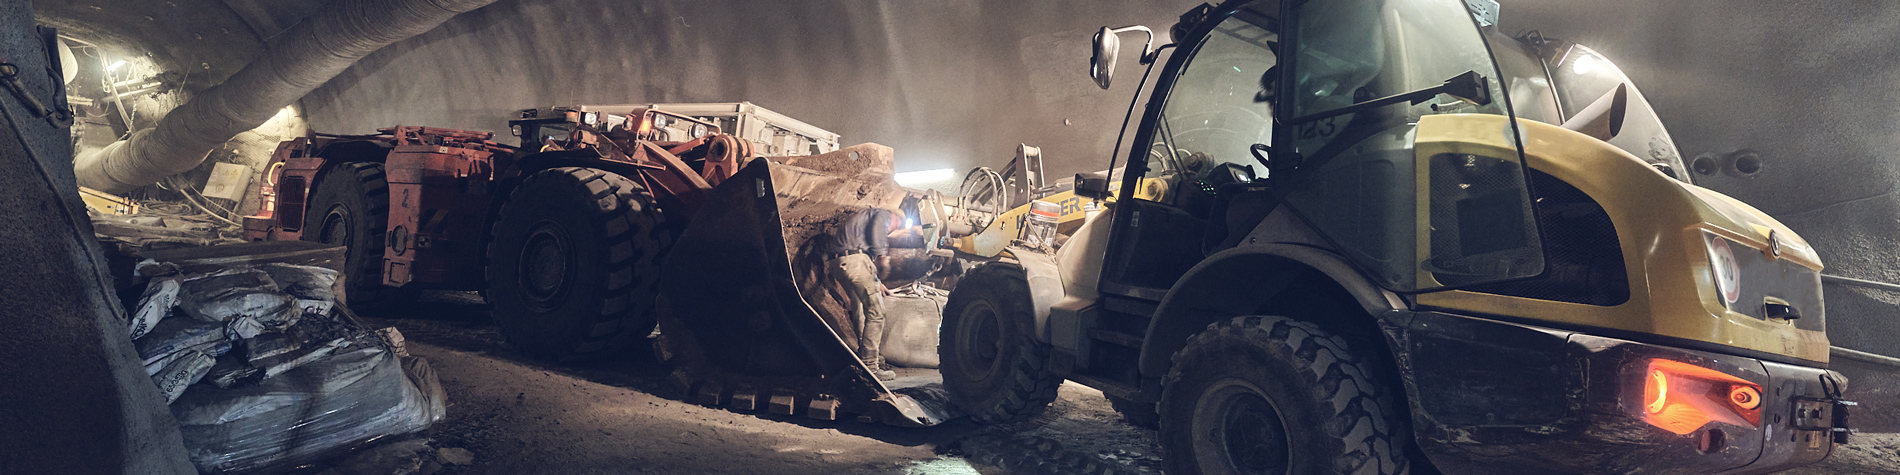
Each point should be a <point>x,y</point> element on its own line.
<point>1260,152</point>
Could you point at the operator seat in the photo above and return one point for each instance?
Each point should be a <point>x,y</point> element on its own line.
<point>1238,203</point>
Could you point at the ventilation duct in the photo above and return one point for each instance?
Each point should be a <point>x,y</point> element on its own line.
<point>293,64</point>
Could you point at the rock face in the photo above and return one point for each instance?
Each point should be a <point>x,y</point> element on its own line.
<point>71,371</point>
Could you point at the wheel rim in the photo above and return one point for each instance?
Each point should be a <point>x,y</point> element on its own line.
<point>546,266</point>
<point>335,231</point>
<point>980,341</point>
<point>1240,431</point>
<point>335,228</point>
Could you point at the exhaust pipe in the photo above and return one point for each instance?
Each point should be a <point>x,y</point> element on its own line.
<point>293,64</point>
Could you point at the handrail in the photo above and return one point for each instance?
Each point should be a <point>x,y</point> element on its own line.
<point>1857,355</point>
<point>1850,281</point>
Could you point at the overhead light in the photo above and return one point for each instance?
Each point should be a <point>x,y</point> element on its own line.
<point>1585,65</point>
<point>925,176</point>
<point>115,65</point>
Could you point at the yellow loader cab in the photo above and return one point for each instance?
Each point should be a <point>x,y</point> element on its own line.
<point>1385,235</point>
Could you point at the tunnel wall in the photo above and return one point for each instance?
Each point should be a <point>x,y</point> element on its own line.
<point>76,398</point>
<point>947,84</point>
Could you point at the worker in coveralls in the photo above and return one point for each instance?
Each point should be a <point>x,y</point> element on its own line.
<point>860,258</point>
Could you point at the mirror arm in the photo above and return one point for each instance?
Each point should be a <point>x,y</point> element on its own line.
<point>1148,50</point>
<point>1153,53</point>
<point>1469,86</point>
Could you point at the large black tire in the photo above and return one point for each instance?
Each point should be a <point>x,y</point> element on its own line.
<point>1271,395</point>
<point>350,207</point>
<point>1136,414</point>
<point>992,365</point>
<point>573,263</point>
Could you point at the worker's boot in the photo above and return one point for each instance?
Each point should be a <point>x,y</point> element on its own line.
<point>880,370</point>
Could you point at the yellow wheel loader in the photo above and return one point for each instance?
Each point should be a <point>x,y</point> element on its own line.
<point>1380,237</point>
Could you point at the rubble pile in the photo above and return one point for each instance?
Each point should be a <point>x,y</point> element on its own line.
<point>264,369</point>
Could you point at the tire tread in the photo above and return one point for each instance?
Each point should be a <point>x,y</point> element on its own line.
<point>1363,411</point>
<point>625,213</point>
<point>1029,388</point>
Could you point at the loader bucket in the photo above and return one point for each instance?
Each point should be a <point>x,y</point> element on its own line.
<point>746,316</point>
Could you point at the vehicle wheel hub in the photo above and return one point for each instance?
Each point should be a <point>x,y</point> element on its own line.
<point>982,342</point>
<point>1245,432</point>
<point>546,267</point>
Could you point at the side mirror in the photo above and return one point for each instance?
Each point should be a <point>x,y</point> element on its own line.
<point>1102,65</point>
<point>1092,185</point>
<point>1108,46</point>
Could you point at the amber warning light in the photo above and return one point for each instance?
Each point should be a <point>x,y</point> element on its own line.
<point>1681,397</point>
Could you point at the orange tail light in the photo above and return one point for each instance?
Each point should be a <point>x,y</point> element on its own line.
<point>1681,397</point>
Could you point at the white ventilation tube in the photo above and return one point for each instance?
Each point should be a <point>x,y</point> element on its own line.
<point>293,64</point>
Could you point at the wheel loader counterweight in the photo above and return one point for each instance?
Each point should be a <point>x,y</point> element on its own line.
<point>1382,237</point>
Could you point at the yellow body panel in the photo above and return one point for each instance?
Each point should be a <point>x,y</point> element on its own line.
<point>1008,227</point>
<point>1660,223</point>
<point>106,202</point>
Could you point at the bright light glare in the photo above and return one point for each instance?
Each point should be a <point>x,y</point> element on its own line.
<point>115,65</point>
<point>1585,64</point>
<point>925,176</point>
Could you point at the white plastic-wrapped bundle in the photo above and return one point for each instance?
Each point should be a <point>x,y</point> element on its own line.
<point>317,410</point>
<point>238,292</point>
<point>173,335</point>
<point>303,282</point>
<point>161,295</point>
<point>189,367</point>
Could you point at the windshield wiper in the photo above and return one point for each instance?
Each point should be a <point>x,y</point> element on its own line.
<point>1470,86</point>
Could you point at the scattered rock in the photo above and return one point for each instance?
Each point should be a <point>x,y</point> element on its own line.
<point>454,456</point>
<point>395,458</point>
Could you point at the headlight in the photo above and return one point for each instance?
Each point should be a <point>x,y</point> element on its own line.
<point>1727,273</point>
<point>590,118</point>
<point>515,129</point>
<point>1681,397</point>
<point>699,130</point>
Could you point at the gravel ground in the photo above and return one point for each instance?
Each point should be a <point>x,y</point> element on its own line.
<point>518,416</point>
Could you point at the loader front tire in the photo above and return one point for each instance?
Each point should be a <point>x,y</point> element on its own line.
<point>350,208</point>
<point>573,263</point>
<point>1281,396</point>
<point>992,365</point>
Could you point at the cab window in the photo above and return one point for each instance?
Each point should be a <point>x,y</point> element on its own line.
<point>1215,113</point>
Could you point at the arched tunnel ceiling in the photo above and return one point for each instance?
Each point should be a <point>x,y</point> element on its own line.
<point>211,39</point>
<point>960,83</point>
<point>945,83</point>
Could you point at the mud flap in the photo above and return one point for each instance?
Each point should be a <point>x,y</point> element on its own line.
<point>733,320</point>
